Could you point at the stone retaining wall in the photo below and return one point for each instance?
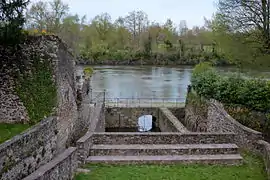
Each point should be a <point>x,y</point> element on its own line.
<point>264,149</point>
<point>220,121</point>
<point>128,118</point>
<point>62,167</point>
<point>161,138</point>
<point>24,153</point>
<point>97,124</point>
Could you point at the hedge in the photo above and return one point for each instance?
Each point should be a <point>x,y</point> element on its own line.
<point>231,89</point>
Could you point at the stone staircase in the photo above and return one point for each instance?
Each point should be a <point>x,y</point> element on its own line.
<point>162,152</point>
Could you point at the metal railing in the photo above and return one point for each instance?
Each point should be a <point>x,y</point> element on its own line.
<point>105,97</point>
<point>145,102</point>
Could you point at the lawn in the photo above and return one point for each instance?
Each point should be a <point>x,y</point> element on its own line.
<point>7,131</point>
<point>252,169</point>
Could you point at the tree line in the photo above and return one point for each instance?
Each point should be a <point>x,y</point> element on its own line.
<point>238,33</point>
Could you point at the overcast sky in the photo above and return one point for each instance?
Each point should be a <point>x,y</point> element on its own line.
<point>192,11</point>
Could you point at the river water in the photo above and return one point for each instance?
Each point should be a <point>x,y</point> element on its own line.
<point>143,82</point>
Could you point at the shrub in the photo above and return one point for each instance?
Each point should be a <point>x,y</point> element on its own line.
<point>234,89</point>
<point>88,71</point>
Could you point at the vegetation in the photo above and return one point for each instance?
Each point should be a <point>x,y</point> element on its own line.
<point>241,96</point>
<point>37,91</point>
<point>9,130</point>
<point>33,82</point>
<point>252,169</point>
<point>238,34</point>
<point>234,89</point>
<point>12,21</point>
<point>132,37</point>
<point>88,71</point>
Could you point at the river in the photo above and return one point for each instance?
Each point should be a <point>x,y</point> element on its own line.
<point>143,82</point>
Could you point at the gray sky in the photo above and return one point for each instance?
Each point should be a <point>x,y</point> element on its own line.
<point>192,11</point>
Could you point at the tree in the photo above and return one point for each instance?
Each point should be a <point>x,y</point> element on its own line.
<point>47,16</point>
<point>12,20</point>
<point>37,16</point>
<point>59,10</point>
<point>249,17</point>
<point>103,25</point>
<point>136,22</point>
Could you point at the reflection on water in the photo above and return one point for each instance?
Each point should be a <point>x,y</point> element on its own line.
<point>144,82</point>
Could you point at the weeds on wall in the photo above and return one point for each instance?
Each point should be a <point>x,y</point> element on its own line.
<point>37,90</point>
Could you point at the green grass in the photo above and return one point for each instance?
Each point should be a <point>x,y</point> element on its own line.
<point>252,169</point>
<point>7,131</point>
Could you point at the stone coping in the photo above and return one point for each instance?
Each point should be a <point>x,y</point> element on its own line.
<point>162,133</point>
<point>85,137</point>
<point>176,122</point>
<point>34,129</point>
<point>51,165</point>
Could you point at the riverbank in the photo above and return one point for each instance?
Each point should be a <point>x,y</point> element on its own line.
<point>149,62</point>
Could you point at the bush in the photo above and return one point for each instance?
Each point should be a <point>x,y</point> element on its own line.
<point>88,71</point>
<point>234,89</point>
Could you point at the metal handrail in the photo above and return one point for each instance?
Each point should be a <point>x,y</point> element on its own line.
<point>128,102</point>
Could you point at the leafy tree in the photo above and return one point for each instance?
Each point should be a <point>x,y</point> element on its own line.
<point>12,20</point>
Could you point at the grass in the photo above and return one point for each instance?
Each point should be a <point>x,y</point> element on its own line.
<point>252,169</point>
<point>7,131</point>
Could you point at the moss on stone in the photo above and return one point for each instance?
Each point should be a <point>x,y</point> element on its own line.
<point>37,91</point>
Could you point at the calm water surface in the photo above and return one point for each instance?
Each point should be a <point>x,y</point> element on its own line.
<point>143,82</point>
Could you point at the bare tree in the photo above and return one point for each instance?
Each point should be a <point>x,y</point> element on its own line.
<point>248,16</point>
<point>37,15</point>
<point>59,11</point>
<point>136,22</point>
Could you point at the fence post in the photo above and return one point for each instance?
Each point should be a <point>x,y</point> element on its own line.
<point>104,94</point>
<point>91,96</point>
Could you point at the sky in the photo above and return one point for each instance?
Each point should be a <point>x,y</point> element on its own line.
<point>192,11</point>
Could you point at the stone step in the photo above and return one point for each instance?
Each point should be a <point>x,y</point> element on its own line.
<point>162,138</point>
<point>228,159</point>
<point>162,149</point>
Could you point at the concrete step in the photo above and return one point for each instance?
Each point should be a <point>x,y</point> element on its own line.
<point>162,149</point>
<point>228,159</point>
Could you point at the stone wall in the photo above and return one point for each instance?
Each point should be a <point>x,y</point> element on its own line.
<point>161,138</point>
<point>195,113</point>
<point>264,149</point>
<point>62,167</point>
<point>55,53</point>
<point>26,152</point>
<point>210,116</point>
<point>127,117</point>
<point>179,113</point>
<point>96,124</point>
<point>220,121</point>
<point>12,109</point>
<point>169,123</point>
